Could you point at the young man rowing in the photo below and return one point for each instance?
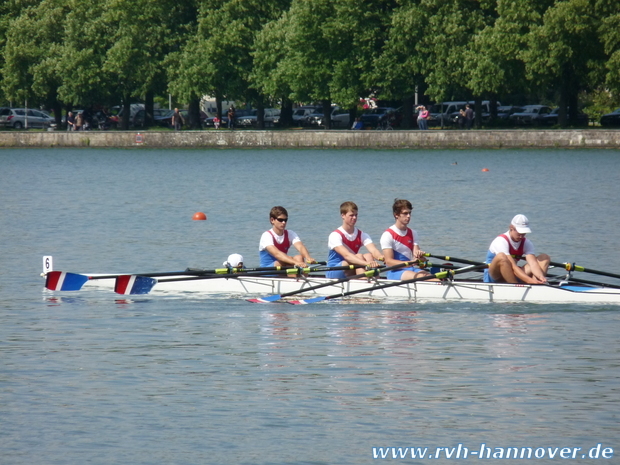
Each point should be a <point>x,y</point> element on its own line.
<point>274,244</point>
<point>506,251</point>
<point>346,241</point>
<point>399,244</point>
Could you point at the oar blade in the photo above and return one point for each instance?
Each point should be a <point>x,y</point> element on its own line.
<point>134,285</point>
<point>63,281</point>
<point>265,300</point>
<point>307,301</point>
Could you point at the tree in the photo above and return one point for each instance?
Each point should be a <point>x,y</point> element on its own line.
<point>565,52</point>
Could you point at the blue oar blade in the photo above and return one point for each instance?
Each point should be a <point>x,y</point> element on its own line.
<point>63,281</point>
<point>134,285</point>
<point>307,301</point>
<point>265,300</point>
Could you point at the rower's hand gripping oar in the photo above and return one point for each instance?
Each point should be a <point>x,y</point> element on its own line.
<point>66,281</point>
<point>138,284</point>
<point>440,275</point>
<point>367,274</point>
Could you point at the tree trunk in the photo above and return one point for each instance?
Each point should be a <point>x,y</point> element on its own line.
<point>327,113</point>
<point>408,119</point>
<point>126,113</point>
<point>478,114</point>
<point>286,113</point>
<point>260,113</point>
<point>194,114</point>
<point>149,107</point>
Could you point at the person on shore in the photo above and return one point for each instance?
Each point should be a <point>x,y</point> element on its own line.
<point>508,249</point>
<point>177,120</point>
<point>216,122</point>
<point>79,121</point>
<point>422,118</point>
<point>399,244</point>
<point>346,241</point>
<point>231,117</point>
<point>70,121</point>
<point>469,116</point>
<point>274,244</point>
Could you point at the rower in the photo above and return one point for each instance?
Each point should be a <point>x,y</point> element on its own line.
<point>399,244</point>
<point>506,251</point>
<point>346,241</point>
<point>234,260</point>
<point>274,244</point>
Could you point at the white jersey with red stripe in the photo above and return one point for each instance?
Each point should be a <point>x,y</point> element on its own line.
<point>398,241</point>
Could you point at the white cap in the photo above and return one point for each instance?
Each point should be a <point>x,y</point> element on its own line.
<point>521,224</point>
<point>233,260</point>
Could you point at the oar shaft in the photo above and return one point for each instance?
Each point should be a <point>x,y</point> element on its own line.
<point>244,273</point>
<point>366,274</point>
<point>440,275</point>
<point>455,259</point>
<point>201,272</point>
<point>573,267</point>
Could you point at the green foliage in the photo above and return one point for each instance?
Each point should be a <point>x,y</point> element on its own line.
<point>84,53</point>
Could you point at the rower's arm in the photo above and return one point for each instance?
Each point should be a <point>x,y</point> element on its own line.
<point>376,254</point>
<point>279,255</point>
<point>301,248</point>
<point>349,257</point>
<point>535,268</point>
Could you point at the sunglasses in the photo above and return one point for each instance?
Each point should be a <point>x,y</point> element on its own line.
<point>281,220</point>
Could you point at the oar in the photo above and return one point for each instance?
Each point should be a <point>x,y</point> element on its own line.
<point>366,274</point>
<point>139,284</point>
<point>573,267</point>
<point>440,275</point>
<point>586,281</point>
<point>454,259</point>
<point>66,281</point>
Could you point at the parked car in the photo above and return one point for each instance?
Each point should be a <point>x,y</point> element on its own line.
<point>19,118</point>
<point>611,119</point>
<point>531,114</point>
<point>239,114</point>
<point>300,114</point>
<point>271,118</point>
<point>339,118</point>
<point>163,117</point>
<point>445,111</point>
<point>552,118</point>
<point>246,120</point>
<point>379,115</point>
<point>504,112</point>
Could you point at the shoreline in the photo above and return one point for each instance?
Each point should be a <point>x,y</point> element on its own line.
<point>295,138</point>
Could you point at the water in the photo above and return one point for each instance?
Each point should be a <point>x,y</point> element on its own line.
<point>88,377</point>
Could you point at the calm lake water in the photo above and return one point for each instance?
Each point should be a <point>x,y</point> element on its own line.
<point>87,377</point>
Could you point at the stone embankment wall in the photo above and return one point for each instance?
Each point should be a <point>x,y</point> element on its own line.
<point>224,138</point>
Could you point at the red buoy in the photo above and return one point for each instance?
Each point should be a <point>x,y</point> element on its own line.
<point>199,216</point>
<point>485,169</point>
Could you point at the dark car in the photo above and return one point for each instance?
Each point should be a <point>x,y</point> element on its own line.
<point>380,115</point>
<point>504,111</point>
<point>611,119</point>
<point>531,114</point>
<point>552,118</point>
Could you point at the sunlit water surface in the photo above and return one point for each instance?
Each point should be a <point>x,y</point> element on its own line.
<point>89,377</point>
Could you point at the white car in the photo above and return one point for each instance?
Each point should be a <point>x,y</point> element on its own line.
<point>19,118</point>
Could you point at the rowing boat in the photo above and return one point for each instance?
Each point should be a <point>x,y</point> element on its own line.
<point>469,290</point>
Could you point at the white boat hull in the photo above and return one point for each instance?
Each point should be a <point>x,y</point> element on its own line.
<point>457,290</point>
